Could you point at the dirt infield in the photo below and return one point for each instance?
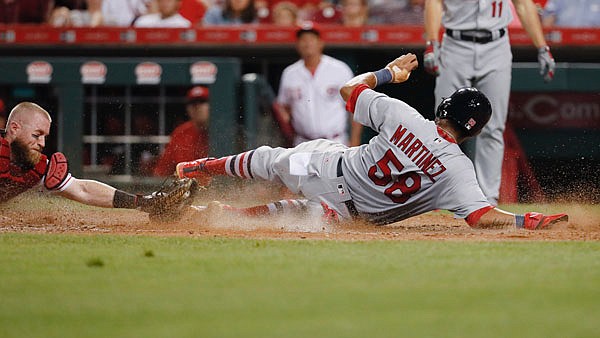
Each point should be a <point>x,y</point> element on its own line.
<point>53,215</point>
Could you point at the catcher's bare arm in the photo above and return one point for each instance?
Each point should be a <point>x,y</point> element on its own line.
<point>164,204</point>
<point>90,192</point>
<point>399,71</point>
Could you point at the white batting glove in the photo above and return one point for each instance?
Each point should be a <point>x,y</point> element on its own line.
<point>547,64</point>
<point>431,57</point>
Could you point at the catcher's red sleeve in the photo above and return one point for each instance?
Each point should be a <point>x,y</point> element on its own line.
<point>351,103</point>
<point>57,172</point>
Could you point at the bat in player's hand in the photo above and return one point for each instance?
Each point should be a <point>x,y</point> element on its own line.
<point>402,66</point>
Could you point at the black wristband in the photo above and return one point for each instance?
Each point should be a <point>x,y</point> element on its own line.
<point>383,75</point>
<point>124,199</point>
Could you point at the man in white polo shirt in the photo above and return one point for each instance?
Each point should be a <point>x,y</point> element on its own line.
<point>308,97</point>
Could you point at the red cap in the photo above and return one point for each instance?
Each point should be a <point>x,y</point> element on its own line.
<point>198,93</point>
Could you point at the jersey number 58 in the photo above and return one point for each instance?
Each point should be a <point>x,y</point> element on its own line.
<point>381,174</point>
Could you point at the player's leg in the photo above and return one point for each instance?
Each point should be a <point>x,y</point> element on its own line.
<point>313,212</point>
<point>260,163</point>
<point>272,164</point>
<point>307,169</point>
<point>456,71</point>
<point>456,68</point>
<point>281,207</point>
<point>495,83</point>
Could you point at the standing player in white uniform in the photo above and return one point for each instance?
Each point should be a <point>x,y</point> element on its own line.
<point>412,166</point>
<point>309,92</point>
<point>475,52</point>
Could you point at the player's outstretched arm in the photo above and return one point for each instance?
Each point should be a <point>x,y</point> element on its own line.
<point>396,71</point>
<point>162,205</point>
<point>90,192</point>
<point>530,220</point>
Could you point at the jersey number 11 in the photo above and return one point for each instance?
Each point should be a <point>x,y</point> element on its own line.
<point>496,5</point>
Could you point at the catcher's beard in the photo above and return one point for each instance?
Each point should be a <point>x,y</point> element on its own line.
<point>23,156</point>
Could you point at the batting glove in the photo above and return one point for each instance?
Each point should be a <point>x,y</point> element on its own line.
<point>398,70</point>
<point>536,220</point>
<point>431,57</point>
<point>547,63</point>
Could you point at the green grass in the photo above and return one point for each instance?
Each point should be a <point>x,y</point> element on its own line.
<point>131,286</point>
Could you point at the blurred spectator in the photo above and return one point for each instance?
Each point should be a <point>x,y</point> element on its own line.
<point>193,10</point>
<point>263,10</point>
<point>25,11</point>
<point>285,13</point>
<point>76,13</point>
<point>327,14</point>
<point>350,13</point>
<point>307,9</point>
<point>167,17</point>
<point>2,114</point>
<point>355,13</point>
<point>309,105</point>
<point>232,12</point>
<point>189,140</point>
<point>398,12</point>
<point>122,13</point>
<point>571,13</point>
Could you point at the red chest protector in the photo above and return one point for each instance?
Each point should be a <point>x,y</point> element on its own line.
<point>14,181</point>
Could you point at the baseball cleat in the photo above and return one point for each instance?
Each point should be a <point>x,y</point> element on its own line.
<point>214,211</point>
<point>193,169</point>
<point>536,220</point>
<point>217,208</point>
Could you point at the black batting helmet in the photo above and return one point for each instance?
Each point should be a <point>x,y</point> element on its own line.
<point>468,107</point>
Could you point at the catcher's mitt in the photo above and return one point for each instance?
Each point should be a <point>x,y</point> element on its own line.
<point>168,203</point>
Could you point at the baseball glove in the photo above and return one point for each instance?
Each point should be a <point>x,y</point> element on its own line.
<point>169,202</point>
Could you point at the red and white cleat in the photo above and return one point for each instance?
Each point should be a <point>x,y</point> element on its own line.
<point>536,220</point>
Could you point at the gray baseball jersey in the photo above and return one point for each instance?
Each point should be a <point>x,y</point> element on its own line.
<point>486,66</point>
<point>476,14</point>
<point>410,168</point>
